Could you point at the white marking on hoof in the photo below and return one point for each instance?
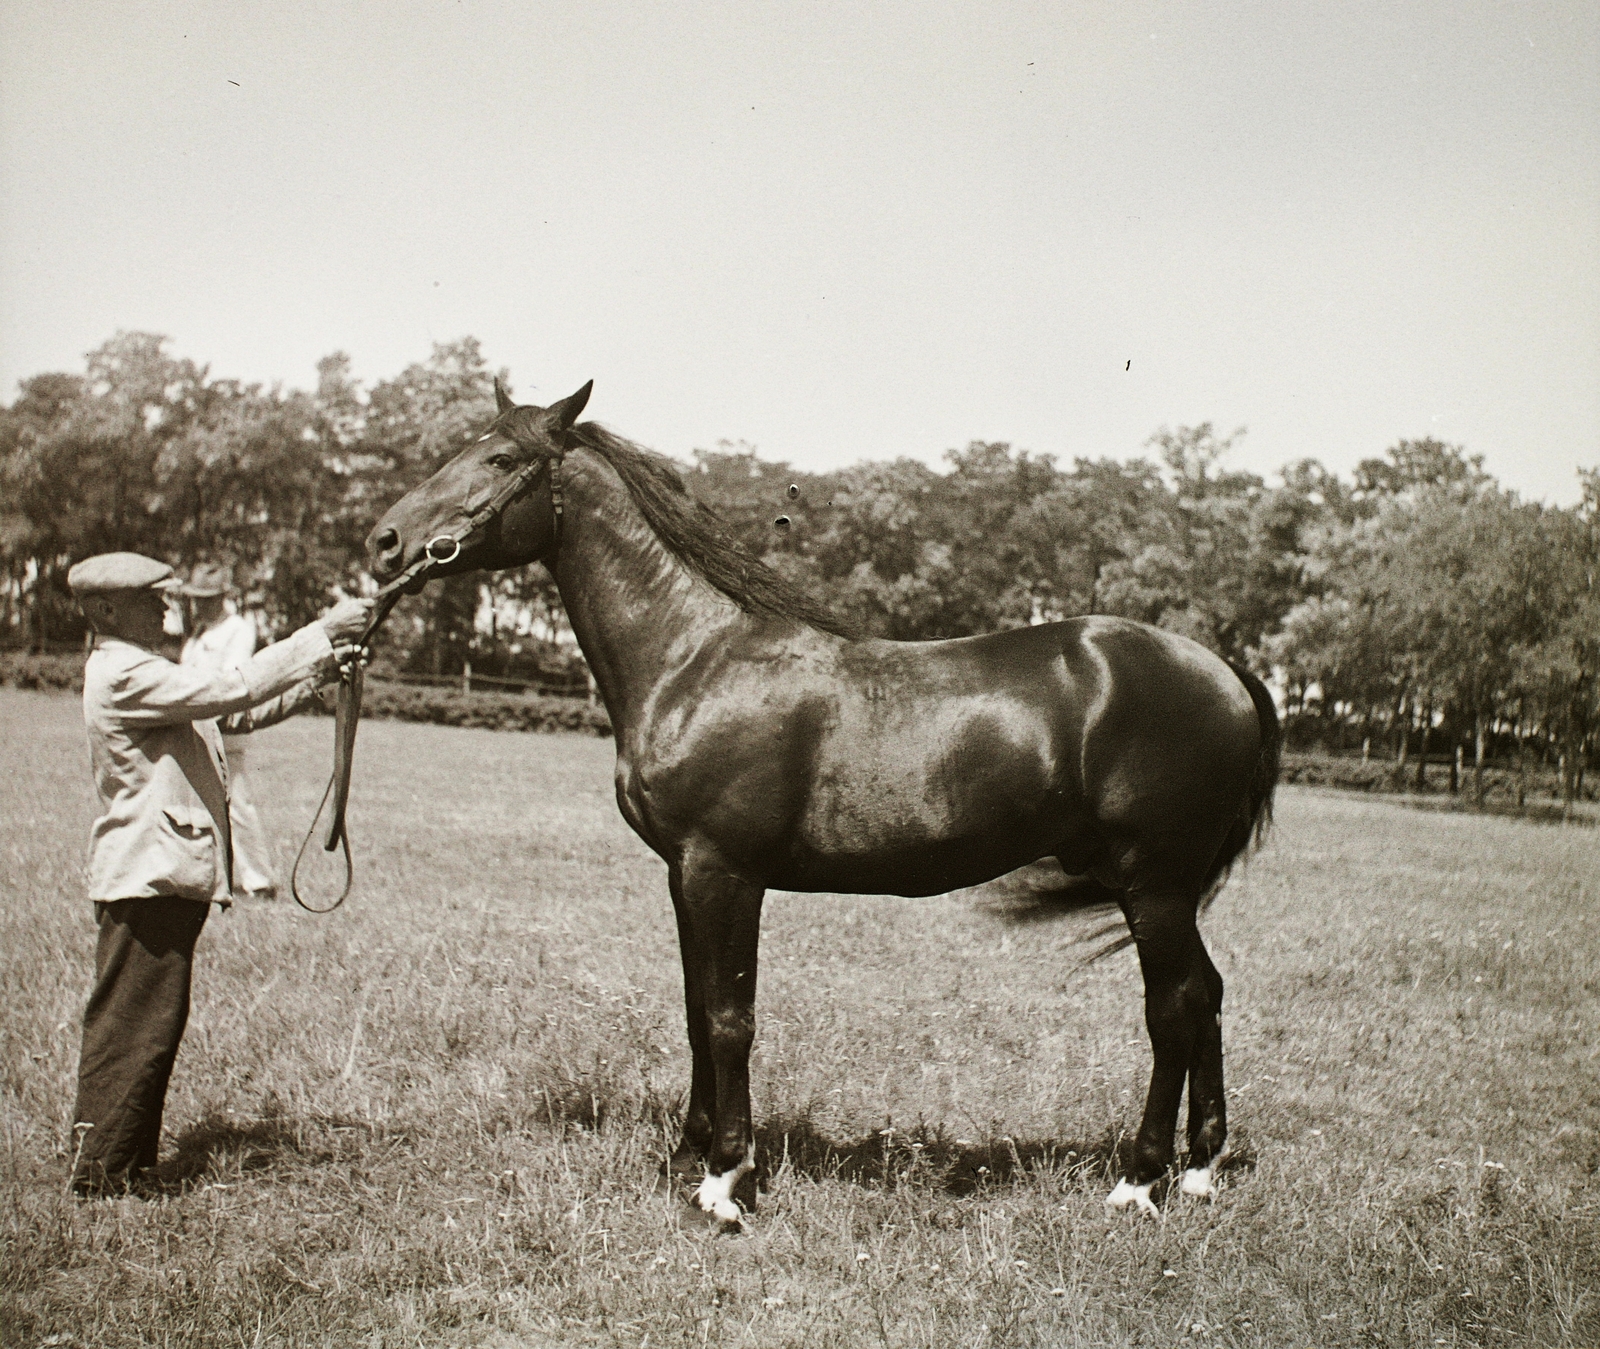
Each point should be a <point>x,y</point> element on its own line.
<point>1127,1193</point>
<point>715,1194</point>
<point>1199,1182</point>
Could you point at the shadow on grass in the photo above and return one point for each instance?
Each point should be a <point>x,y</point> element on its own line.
<point>247,1144</point>
<point>932,1159</point>
<point>1535,812</point>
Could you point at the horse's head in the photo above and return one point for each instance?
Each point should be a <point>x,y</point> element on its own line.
<point>520,454</point>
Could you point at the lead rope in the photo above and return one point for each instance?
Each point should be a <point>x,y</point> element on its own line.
<point>347,716</point>
<point>441,549</point>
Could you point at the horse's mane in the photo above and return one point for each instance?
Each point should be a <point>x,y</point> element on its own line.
<point>690,530</point>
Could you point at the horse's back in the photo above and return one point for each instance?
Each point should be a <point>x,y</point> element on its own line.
<point>1092,678</point>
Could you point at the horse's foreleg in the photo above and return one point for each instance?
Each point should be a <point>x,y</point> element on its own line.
<point>699,1121</point>
<point>723,916</point>
<point>1208,1108</point>
<point>1177,1006</point>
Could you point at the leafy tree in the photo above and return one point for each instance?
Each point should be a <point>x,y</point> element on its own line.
<point>1217,556</point>
<point>82,466</point>
<point>1415,467</point>
<point>874,538</point>
<point>1480,587</point>
<point>1558,665</point>
<point>1089,522</point>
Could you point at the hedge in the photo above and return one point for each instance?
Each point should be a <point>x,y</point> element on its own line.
<point>1378,775</point>
<point>50,670</point>
<point>496,711</point>
<point>444,706</point>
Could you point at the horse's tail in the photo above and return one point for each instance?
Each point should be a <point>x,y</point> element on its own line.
<point>1255,815</point>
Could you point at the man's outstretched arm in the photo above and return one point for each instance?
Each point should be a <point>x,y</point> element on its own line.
<point>154,691</point>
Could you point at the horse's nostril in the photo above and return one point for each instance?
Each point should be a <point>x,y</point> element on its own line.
<point>386,543</point>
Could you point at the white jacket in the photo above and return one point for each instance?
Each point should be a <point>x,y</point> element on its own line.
<point>163,778</point>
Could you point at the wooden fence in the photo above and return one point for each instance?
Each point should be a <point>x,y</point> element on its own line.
<point>466,681</point>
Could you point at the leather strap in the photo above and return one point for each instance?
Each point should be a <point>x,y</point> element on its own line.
<point>349,866</point>
<point>347,718</point>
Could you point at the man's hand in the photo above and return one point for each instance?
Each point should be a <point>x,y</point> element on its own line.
<point>345,656</point>
<point>346,621</point>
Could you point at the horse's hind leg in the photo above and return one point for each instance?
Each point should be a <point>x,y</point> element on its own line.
<point>720,927</point>
<point>1208,1108</point>
<point>1180,1012</point>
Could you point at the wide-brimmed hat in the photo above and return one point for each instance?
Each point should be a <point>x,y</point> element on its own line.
<point>106,572</point>
<point>208,579</point>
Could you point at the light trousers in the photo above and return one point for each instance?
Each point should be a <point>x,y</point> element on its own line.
<point>253,872</point>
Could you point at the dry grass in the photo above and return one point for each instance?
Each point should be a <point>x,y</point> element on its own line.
<point>437,1116</point>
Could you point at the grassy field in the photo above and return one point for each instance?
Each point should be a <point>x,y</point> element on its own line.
<point>437,1116</point>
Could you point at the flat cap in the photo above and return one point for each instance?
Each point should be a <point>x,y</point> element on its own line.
<point>119,571</point>
<point>209,578</point>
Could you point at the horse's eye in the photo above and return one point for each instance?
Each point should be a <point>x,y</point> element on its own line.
<point>502,461</point>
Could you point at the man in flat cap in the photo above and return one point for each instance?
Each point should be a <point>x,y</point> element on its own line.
<point>160,853</point>
<point>219,636</point>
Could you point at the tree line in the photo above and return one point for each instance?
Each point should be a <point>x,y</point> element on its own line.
<point>1411,608</point>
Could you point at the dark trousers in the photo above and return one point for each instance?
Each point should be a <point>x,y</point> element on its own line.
<point>131,1029</point>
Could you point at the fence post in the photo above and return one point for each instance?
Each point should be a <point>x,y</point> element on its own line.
<point>466,676</point>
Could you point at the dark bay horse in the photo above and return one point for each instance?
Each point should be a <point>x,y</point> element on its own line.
<point>759,745</point>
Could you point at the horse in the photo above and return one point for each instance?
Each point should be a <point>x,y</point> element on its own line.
<point>762,744</point>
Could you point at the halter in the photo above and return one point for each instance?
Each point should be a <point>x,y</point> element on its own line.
<point>439,551</point>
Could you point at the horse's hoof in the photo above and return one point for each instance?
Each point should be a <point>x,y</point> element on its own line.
<point>1199,1182</point>
<point>715,1196</point>
<point>723,1210</point>
<point>1126,1193</point>
<point>723,1220</point>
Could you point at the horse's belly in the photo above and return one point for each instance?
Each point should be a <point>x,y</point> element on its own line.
<point>914,819</point>
<point>923,870</point>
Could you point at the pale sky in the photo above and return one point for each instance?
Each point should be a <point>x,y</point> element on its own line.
<point>842,231</point>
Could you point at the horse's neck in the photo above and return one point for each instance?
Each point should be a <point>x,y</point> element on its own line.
<point>637,611</point>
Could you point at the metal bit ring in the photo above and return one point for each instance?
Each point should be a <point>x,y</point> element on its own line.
<point>436,546</point>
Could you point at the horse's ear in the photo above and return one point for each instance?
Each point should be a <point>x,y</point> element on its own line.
<point>502,399</point>
<point>567,411</point>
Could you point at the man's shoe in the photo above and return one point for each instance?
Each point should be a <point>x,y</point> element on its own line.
<point>141,1183</point>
